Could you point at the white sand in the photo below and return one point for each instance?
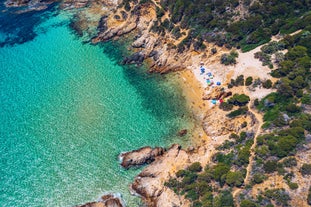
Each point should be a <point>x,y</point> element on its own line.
<point>246,65</point>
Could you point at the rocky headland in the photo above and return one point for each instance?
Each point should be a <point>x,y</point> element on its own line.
<point>144,155</point>
<point>107,200</point>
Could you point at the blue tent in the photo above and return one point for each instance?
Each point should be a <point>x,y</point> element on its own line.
<point>218,83</point>
<point>214,101</point>
<point>209,73</point>
<point>202,70</point>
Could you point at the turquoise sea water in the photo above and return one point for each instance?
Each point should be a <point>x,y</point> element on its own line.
<point>67,109</point>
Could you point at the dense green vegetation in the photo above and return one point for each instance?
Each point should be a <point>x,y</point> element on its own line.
<point>229,59</point>
<point>306,169</point>
<point>284,113</point>
<point>286,125</point>
<point>285,121</point>
<point>220,21</point>
<point>213,185</point>
<point>197,186</point>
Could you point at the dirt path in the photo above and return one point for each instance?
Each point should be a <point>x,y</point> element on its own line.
<point>252,149</point>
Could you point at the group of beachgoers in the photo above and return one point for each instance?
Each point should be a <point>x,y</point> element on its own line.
<point>210,82</point>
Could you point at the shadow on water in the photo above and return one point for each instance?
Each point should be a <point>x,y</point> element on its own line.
<point>13,27</point>
<point>161,99</point>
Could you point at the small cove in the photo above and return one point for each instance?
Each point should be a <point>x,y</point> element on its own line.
<point>68,109</point>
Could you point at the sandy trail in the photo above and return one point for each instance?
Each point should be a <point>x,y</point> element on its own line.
<point>249,167</point>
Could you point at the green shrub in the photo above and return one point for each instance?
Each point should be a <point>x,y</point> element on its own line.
<point>243,135</point>
<point>292,108</point>
<point>207,199</point>
<point>249,81</point>
<point>309,196</point>
<point>205,176</point>
<point>172,183</point>
<point>234,179</point>
<point>189,179</point>
<point>247,203</point>
<point>285,145</point>
<point>182,173</point>
<point>238,112</point>
<point>192,195</point>
<point>195,167</point>
<point>244,124</point>
<point>226,106</point>
<point>270,166</point>
<point>292,186</point>
<point>224,199</point>
<point>306,99</point>
<point>305,169</point>
<point>214,50</point>
<point>224,158</point>
<point>219,170</point>
<point>278,195</point>
<point>234,136</point>
<point>258,178</point>
<point>290,162</point>
<point>239,100</point>
<point>267,84</point>
<point>229,59</point>
<point>239,80</point>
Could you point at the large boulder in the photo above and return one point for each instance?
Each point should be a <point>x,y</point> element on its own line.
<point>107,200</point>
<point>144,155</point>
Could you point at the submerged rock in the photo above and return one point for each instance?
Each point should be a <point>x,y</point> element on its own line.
<point>136,58</point>
<point>32,5</point>
<point>182,132</point>
<point>144,155</point>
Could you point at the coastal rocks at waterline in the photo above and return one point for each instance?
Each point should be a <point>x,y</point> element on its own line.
<point>144,155</point>
<point>136,58</point>
<point>42,4</point>
<point>33,5</point>
<point>107,200</point>
<point>114,28</point>
<point>149,184</point>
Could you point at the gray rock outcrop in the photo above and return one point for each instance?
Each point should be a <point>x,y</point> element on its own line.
<point>144,155</point>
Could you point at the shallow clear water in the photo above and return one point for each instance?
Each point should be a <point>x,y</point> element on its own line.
<point>67,109</point>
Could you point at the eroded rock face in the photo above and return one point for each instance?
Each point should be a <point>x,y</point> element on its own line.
<point>17,2</point>
<point>108,200</point>
<point>217,93</point>
<point>144,155</point>
<point>150,182</point>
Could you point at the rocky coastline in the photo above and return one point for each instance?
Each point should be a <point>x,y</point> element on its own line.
<point>107,200</point>
<point>142,156</point>
<point>161,54</point>
<point>162,57</point>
